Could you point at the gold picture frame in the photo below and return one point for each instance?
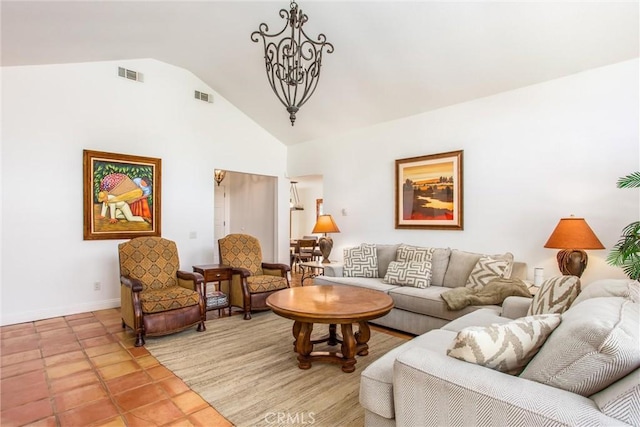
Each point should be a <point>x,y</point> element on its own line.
<point>121,195</point>
<point>429,192</point>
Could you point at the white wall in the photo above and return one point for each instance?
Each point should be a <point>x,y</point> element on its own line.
<point>51,113</point>
<point>531,156</point>
<point>252,207</point>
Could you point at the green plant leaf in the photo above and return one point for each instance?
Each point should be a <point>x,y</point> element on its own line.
<point>630,181</point>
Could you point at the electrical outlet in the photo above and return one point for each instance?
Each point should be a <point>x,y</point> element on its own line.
<point>96,286</point>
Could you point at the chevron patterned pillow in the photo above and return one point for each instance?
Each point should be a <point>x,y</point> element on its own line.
<point>555,295</point>
<point>506,347</point>
<point>361,261</point>
<point>486,270</point>
<point>411,273</point>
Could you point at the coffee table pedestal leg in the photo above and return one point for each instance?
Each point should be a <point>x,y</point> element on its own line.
<point>348,348</point>
<point>303,346</point>
<point>362,338</point>
<point>351,344</point>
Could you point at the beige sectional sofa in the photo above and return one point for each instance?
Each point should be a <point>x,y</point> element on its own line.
<point>585,373</point>
<point>418,310</point>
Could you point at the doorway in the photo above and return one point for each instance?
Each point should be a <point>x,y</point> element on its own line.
<point>247,203</point>
<point>309,190</point>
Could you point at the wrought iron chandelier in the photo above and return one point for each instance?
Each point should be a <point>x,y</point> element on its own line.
<point>293,62</point>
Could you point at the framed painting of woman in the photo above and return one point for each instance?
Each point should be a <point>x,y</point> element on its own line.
<point>121,195</point>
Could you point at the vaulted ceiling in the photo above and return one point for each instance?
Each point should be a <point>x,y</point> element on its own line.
<point>392,59</point>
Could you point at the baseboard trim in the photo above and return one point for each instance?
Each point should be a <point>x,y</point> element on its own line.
<point>31,316</point>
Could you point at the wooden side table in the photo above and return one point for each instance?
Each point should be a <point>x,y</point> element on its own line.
<point>215,273</point>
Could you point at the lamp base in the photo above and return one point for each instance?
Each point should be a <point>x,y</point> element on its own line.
<point>572,262</point>
<point>326,244</point>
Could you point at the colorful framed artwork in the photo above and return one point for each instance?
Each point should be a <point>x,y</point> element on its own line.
<point>429,192</point>
<point>121,195</point>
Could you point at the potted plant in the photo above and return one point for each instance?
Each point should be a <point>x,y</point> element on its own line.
<point>626,253</point>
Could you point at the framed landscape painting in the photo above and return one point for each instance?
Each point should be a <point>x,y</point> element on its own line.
<point>121,195</point>
<point>429,191</point>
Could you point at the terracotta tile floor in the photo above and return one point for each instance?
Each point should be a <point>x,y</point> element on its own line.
<point>84,370</point>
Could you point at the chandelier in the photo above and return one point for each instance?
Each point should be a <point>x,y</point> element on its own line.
<point>293,62</point>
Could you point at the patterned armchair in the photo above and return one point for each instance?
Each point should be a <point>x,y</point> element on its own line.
<point>252,280</point>
<point>156,298</point>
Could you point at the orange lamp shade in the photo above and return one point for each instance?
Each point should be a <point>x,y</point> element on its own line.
<point>573,233</point>
<point>325,224</point>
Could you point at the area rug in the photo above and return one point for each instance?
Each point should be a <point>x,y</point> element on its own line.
<point>247,370</point>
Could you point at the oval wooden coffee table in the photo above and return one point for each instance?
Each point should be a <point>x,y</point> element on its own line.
<point>333,305</point>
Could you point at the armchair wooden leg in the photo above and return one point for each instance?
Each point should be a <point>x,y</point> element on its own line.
<point>201,327</point>
<point>139,340</point>
<point>247,314</point>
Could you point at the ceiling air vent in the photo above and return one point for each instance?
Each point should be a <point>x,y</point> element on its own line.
<point>206,97</point>
<point>130,74</point>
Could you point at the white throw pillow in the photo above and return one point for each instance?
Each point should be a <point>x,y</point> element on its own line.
<point>412,273</point>
<point>408,253</point>
<point>506,347</point>
<point>361,261</point>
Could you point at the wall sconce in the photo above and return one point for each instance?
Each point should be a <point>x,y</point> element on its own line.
<point>219,175</point>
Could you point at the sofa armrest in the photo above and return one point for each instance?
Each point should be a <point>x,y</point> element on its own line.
<point>515,307</point>
<point>432,389</point>
<point>333,270</point>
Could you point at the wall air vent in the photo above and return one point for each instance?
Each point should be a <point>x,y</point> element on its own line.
<point>206,97</point>
<point>130,74</point>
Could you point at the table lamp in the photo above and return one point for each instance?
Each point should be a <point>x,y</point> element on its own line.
<point>573,235</point>
<point>325,224</point>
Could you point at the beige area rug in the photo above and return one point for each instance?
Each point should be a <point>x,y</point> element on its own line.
<point>248,371</point>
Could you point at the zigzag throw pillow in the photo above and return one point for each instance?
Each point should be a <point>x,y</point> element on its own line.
<point>506,347</point>
<point>486,270</point>
<point>361,261</point>
<point>555,295</point>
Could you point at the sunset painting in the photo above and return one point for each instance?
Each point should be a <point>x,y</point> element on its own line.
<point>429,191</point>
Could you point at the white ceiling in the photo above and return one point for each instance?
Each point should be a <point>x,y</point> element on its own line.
<point>392,59</point>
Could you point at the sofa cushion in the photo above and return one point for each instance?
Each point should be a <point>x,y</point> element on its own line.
<point>625,288</point>
<point>482,317</point>
<point>429,302</point>
<point>597,343</point>
<point>376,380</point>
<point>410,273</point>
<point>361,261</point>
<point>555,295</point>
<point>386,254</point>
<point>461,263</point>
<point>506,347</point>
<point>486,270</point>
<point>619,399</point>
<point>439,264</point>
